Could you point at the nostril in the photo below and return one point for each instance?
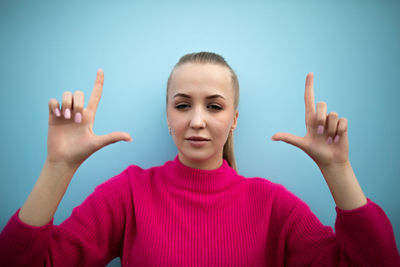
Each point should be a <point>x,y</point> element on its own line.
<point>197,124</point>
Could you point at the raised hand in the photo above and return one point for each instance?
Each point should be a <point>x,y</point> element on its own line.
<point>326,139</point>
<point>70,134</point>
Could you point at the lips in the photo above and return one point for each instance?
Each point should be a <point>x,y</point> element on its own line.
<point>197,141</point>
<point>197,138</point>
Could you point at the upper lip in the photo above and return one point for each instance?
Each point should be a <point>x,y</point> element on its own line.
<point>198,138</point>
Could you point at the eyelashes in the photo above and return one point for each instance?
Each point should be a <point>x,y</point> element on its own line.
<point>216,107</point>
<point>181,106</point>
<point>213,107</point>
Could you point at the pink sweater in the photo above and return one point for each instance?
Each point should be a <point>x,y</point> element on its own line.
<point>173,215</point>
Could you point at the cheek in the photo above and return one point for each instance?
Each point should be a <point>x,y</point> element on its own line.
<point>221,127</point>
<point>177,121</point>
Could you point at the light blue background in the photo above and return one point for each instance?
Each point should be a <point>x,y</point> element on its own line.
<point>351,46</point>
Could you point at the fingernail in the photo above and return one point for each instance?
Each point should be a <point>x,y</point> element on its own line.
<point>320,129</point>
<point>329,140</point>
<point>57,112</point>
<point>78,117</point>
<point>67,113</point>
<point>336,140</point>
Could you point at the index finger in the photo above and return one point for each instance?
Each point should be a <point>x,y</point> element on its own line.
<point>97,91</point>
<point>309,94</point>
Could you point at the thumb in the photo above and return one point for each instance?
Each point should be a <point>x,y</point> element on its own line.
<point>289,138</point>
<point>108,139</point>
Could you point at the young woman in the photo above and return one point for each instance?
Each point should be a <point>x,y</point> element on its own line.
<point>195,210</point>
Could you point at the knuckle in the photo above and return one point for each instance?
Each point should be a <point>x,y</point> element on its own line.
<point>78,100</point>
<point>78,93</point>
<point>52,102</point>
<point>67,93</point>
<point>333,114</point>
<point>67,98</point>
<point>343,121</point>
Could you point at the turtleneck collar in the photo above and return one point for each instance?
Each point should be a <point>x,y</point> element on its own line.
<point>201,180</point>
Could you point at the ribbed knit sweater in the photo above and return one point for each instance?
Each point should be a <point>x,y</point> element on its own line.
<point>174,215</point>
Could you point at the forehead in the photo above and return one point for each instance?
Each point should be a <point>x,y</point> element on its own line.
<point>201,80</point>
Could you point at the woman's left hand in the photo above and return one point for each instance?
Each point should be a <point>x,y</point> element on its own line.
<point>326,141</point>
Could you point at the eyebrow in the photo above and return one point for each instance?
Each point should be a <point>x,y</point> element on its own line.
<point>208,97</point>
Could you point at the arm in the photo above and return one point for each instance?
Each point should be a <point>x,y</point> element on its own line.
<point>46,195</point>
<point>362,237</point>
<point>326,142</point>
<point>69,143</point>
<point>344,186</point>
<point>91,236</point>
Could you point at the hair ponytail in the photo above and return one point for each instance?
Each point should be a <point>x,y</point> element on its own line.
<point>228,153</point>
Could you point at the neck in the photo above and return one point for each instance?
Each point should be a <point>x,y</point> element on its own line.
<point>207,164</point>
<point>200,180</point>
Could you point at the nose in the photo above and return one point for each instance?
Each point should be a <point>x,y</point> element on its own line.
<point>198,120</point>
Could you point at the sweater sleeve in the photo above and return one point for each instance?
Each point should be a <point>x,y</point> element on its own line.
<point>363,237</point>
<point>91,236</point>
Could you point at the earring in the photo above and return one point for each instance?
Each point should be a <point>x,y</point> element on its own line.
<point>169,128</point>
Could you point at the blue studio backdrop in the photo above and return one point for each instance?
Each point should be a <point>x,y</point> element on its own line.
<point>48,47</point>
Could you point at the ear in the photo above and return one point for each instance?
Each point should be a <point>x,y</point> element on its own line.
<point>235,118</point>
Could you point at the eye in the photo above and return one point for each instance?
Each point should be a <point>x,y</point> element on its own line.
<point>215,107</point>
<point>181,106</point>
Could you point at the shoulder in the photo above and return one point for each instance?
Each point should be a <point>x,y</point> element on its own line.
<point>119,189</point>
<point>268,186</point>
<point>130,172</point>
<point>279,197</point>
<point>131,177</point>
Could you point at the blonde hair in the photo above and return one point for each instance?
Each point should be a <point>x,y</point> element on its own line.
<point>213,58</point>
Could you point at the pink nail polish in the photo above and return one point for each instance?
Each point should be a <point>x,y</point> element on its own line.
<point>57,112</point>
<point>329,140</point>
<point>336,140</point>
<point>78,117</point>
<point>67,113</point>
<point>320,129</point>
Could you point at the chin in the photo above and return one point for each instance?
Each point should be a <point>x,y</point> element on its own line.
<point>197,155</point>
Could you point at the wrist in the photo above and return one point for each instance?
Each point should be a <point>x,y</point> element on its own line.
<point>344,186</point>
<point>60,166</point>
<point>335,167</point>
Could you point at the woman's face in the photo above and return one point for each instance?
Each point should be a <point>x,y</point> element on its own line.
<point>201,105</point>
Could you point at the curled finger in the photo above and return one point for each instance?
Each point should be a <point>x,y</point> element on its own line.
<point>54,107</point>
<point>67,104</point>
<point>341,129</point>
<point>321,117</point>
<point>332,123</point>
<point>77,106</point>
<point>342,126</point>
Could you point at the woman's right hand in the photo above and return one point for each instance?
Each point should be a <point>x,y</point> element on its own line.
<point>70,138</point>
